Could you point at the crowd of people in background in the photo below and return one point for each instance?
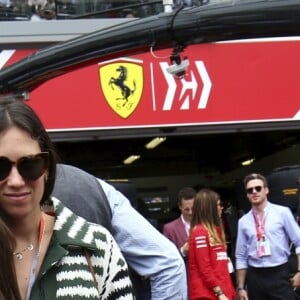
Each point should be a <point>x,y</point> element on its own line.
<point>232,255</point>
<point>34,10</point>
<point>37,10</point>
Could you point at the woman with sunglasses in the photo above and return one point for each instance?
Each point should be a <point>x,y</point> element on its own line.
<point>263,246</point>
<point>57,255</point>
<point>209,276</point>
<point>8,281</point>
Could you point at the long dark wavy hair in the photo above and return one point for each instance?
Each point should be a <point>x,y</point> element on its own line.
<point>205,212</point>
<point>8,279</point>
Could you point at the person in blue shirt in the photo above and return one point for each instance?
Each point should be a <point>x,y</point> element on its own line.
<point>263,246</point>
<point>146,250</point>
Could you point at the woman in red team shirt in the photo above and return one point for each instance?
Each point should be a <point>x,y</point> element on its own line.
<point>208,261</point>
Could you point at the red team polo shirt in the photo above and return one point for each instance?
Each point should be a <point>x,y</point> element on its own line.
<point>208,267</point>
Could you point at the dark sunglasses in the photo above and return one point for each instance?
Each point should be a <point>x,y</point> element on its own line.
<point>29,167</point>
<point>254,189</point>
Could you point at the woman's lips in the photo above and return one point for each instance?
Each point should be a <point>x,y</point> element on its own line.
<point>17,196</point>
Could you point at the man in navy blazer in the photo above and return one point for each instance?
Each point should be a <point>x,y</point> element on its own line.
<point>178,230</point>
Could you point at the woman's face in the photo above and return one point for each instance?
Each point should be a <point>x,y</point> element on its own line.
<point>19,197</point>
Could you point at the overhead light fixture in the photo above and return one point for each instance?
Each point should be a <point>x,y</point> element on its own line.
<point>155,142</point>
<point>247,162</point>
<point>130,159</point>
<point>118,180</point>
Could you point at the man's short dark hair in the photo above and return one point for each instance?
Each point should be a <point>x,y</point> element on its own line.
<point>255,176</point>
<point>186,193</point>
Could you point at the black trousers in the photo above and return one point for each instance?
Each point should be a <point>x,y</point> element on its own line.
<point>269,283</point>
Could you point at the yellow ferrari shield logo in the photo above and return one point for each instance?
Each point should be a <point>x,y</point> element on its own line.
<point>122,86</point>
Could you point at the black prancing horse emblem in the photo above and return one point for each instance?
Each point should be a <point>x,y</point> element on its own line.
<point>120,83</point>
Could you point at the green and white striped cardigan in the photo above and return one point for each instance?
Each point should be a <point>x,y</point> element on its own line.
<point>65,273</point>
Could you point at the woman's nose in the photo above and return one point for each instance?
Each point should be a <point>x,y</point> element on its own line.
<point>14,178</point>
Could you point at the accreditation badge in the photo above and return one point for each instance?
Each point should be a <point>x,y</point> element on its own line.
<point>263,248</point>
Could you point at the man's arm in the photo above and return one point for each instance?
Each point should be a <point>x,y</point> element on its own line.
<point>241,279</point>
<point>296,278</point>
<point>293,231</point>
<point>146,250</point>
<point>241,262</point>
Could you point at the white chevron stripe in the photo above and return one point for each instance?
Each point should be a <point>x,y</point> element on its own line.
<point>61,218</point>
<point>121,283</point>
<point>100,243</point>
<point>76,227</point>
<point>71,260</point>
<point>97,261</point>
<point>74,274</point>
<point>89,236</point>
<point>5,55</point>
<point>77,290</point>
<point>200,241</point>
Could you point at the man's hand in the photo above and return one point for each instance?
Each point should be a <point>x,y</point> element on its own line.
<point>242,294</point>
<point>296,280</point>
<point>185,249</point>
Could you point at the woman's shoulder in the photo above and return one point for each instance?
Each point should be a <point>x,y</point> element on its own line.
<point>199,229</point>
<point>99,233</point>
<point>75,230</point>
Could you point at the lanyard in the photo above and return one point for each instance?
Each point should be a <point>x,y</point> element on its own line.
<point>259,225</point>
<point>36,257</point>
